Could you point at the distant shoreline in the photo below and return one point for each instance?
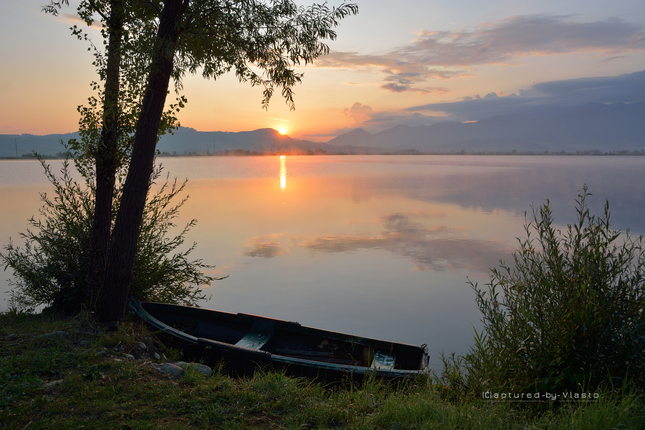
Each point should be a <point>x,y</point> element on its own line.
<point>246,153</point>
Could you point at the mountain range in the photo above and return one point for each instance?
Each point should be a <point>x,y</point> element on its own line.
<point>591,127</point>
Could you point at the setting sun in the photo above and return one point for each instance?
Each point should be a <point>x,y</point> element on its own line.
<point>282,130</point>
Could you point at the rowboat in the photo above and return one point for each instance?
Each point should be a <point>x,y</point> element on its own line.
<point>244,342</point>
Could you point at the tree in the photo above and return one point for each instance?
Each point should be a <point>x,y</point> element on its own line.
<point>261,41</point>
<point>108,123</point>
<point>50,272</point>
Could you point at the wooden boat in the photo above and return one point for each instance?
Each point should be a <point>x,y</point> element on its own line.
<point>243,342</point>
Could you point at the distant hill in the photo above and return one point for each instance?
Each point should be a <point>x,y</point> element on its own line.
<point>184,141</point>
<point>266,140</point>
<point>24,144</point>
<point>592,127</point>
<point>612,127</point>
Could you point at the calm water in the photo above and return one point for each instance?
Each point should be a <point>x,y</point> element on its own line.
<point>379,246</point>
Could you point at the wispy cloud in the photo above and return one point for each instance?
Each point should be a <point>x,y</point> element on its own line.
<point>447,54</point>
<point>75,19</point>
<point>626,88</point>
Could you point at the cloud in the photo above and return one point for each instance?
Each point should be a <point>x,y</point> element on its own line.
<point>359,112</point>
<point>365,116</point>
<point>404,87</point>
<point>628,88</point>
<point>447,54</point>
<point>75,19</point>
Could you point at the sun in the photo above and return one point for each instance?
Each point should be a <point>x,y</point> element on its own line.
<point>282,130</point>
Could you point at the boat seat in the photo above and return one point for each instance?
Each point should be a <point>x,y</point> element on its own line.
<point>260,334</point>
<point>383,361</point>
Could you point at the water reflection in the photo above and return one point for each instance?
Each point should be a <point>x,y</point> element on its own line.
<point>283,172</point>
<point>379,246</point>
<point>435,247</point>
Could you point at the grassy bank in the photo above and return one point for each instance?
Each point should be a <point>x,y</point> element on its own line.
<point>65,373</point>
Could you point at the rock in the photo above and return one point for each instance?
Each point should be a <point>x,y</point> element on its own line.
<point>202,368</point>
<point>141,345</point>
<point>174,371</point>
<point>129,356</point>
<point>156,356</point>
<point>55,334</point>
<point>51,384</point>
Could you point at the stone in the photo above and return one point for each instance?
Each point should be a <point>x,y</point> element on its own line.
<point>202,368</point>
<point>55,334</point>
<point>51,384</point>
<point>173,370</point>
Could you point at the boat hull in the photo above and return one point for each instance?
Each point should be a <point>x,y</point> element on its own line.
<point>244,343</point>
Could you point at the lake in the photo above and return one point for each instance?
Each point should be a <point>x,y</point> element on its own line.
<point>379,246</point>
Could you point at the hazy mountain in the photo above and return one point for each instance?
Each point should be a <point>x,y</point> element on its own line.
<point>188,140</point>
<point>596,126</point>
<point>26,143</point>
<point>184,141</point>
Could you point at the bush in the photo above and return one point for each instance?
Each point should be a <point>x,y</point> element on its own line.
<point>52,267</point>
<point>568,315</point>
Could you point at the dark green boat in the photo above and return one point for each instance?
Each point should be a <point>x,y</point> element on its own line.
<point>243,342</point>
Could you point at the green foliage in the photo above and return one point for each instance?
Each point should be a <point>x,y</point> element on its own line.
<point>51,268</point>
<point>135,47</point>
<point>568,315</point>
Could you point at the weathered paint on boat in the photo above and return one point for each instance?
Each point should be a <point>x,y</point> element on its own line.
<point>244,342</point>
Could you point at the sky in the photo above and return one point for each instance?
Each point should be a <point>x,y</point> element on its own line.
<point>397,62</point>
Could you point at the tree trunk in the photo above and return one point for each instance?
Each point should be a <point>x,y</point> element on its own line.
<point>113,300</point>
<point>106,157</point>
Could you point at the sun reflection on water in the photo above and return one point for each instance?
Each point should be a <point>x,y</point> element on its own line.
<point>283,172</point>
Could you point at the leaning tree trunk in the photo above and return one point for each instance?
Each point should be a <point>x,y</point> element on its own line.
<point>107,158</point>
<point>113,300</point>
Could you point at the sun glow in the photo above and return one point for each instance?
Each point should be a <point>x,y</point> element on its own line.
<point>282,130</point>
<point>283,172</point>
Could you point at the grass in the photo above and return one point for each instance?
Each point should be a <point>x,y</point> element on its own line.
<point>63,373</point>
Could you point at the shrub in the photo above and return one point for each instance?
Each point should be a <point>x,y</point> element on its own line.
<point>568,315</point>
<point>51,268</point>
